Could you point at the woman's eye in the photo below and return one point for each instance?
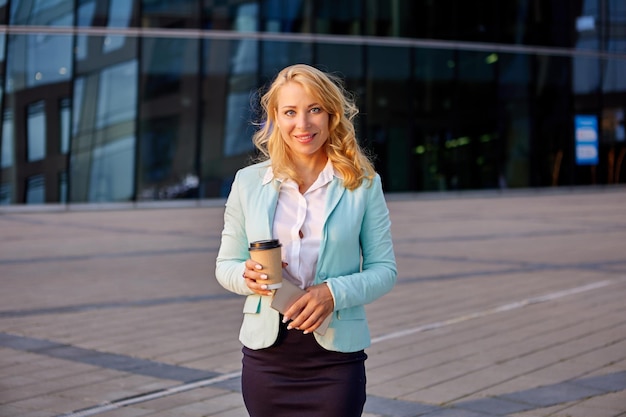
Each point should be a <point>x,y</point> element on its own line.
<point>316,110</point>
<point>290,113</point>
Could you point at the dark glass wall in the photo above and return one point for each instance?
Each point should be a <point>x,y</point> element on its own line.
<point>158,99</point>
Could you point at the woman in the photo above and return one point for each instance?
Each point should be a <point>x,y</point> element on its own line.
<point>319,195</point>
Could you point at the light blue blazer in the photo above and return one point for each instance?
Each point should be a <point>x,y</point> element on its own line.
<point>356,257</point>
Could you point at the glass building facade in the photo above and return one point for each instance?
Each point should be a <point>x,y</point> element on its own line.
<point>143,100</point>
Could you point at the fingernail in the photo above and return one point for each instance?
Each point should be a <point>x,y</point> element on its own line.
<point>263,276</point>
<point>289,327</point>
<point>257,266</point>
<point>264,287</point>
<point>285,319</point>
<point>305,332</point>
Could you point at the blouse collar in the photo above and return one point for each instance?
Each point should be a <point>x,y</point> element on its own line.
<point>325,176</point>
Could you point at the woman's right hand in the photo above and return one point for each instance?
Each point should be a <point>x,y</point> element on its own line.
<point>256,280</point>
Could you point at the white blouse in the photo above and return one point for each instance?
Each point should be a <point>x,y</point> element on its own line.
<point>298,225</point>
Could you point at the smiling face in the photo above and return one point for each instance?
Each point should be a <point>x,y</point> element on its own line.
<point>302,122</point>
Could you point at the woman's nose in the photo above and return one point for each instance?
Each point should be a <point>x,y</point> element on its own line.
<point>303,122</point>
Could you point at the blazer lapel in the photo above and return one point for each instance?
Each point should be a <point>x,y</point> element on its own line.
<point>269,200</point>
<point>335,191</point>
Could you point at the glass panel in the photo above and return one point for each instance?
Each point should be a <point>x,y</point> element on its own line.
<point>41,12</point>
<point>171,13</point>
<point>226,15</point>
<point>78,108</point>
<point>395,18</point>
<point>169,130</point>
<point>64,122</point>
<point>3,39</point>
<point>112,170</point>
<point>117,94</point>
<point>476,125</point>
<point>103,143</point>
<point>7,140</point>
<point>586,74</point>
<point>120,15</point>
<point>63,187</point>
<point>35,190</point>
<point>338,18</point>
<point>433,97</point>
<point>5,193</point>
<point>388,112</point>
<point>36,132</point>
<point>36,60</point>
<point>286,16</point>
<point>85,16</point>
<point>514,121</point>
<point>242,80</point>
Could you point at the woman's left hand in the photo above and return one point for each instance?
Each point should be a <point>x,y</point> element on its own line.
<point>310,310</point>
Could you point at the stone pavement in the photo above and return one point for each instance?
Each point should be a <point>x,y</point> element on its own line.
<point>507,304</point>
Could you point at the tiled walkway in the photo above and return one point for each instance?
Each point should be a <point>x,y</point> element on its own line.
<point>507,304</point>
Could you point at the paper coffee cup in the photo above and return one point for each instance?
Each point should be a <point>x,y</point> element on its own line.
<point>268,254</point>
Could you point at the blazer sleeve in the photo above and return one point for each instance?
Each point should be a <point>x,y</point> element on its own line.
<point>378,272</point>
<point>233,250</point>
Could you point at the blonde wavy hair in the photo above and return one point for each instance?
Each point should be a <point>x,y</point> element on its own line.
<point>341,147</point>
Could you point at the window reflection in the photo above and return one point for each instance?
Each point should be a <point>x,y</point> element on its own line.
<point>64,122</point>
<point>36,132</point>
<point>117,94</point>
<point>35,190</point>
<point>7,140</point>
<point>242,81</point>
<point>85,15</point>
<point>168,129</point>
<point>112,170</point>
<point>39,59</point>
<point>120,14</point>
<point>103,142</point>
<point>5,193</point>
<point>63,187</point>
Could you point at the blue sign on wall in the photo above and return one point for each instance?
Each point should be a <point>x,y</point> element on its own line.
<point>586,134</point>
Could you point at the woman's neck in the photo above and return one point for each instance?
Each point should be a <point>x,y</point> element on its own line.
<point>308,170</point>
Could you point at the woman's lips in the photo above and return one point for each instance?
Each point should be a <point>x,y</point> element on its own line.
<point>305,138</point>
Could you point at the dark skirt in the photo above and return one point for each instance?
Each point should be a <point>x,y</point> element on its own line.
<point>298,377</point>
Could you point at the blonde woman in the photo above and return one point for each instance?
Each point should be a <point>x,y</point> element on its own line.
<point>318,193</point>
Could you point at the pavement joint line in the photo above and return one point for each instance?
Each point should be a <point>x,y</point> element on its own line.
<point>79,308</point>
<point>103,360</point>
<point>124,402</point>
<point>499,309</point>
<point>88,256</point>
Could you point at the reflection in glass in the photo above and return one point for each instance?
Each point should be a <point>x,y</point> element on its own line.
<point>168,148</point>
<point>102,146</point>
<point>3,39</point>
<point>64,122</point>
<point>388,109</point>
<point>39,58</point>
<point>112,171</point>
<point>47,60</point>
<point>63,187</point>
<point>5,193</point>
<point>120,14</point>
<point>85,15</point>
<point>36,132</point>
<point>242,81</point>
<point>117,94</point>
<point>35,190</point>
<point>40,12</point>
<point>77,109</point>
<point>7,140</point>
